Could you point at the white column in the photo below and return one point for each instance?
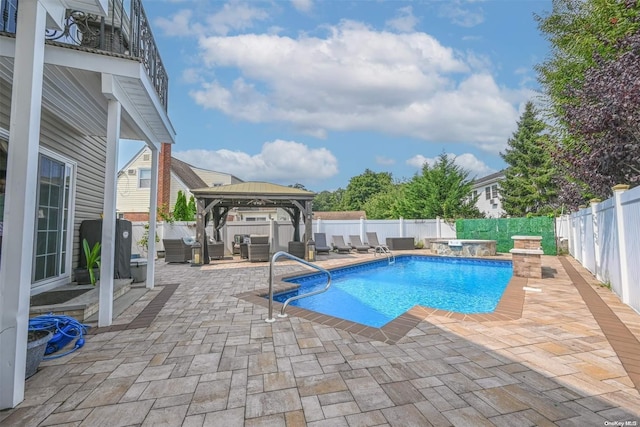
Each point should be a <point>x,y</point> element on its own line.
<point>107,254</point>
<point>622,243</point>
<point>20,200</point>
<point>596,239</point>
<point>153,216</point>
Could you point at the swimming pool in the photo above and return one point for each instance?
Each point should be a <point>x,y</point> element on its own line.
<point>374,294</point>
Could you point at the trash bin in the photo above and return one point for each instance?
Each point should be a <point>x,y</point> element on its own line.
<point>138,270</point>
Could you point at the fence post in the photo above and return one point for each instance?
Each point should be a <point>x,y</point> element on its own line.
<point>272,235</point>
<point>401,225</point>
<point>438,227</point>
<point>319,225</point>
<point>596,237</point>
<point>362,229</point>
<point>622,242</point>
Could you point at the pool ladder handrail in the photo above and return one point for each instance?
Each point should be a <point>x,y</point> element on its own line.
<point>386,251</point>
<point>277,255</point>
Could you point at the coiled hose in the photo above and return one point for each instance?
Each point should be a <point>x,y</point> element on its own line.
<point>64,328</point>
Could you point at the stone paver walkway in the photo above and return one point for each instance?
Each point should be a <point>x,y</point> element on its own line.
<point>209,359</point>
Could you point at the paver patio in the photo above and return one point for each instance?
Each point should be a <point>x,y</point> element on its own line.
<point>209,359</point>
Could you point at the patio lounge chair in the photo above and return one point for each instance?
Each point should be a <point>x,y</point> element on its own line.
<point>216,250</point>
<point>372,237</point>
<point>321,243</point>
<point>258,248</point>
<point>176,250</point>
<point>340,245</point>
<point>357,244</point>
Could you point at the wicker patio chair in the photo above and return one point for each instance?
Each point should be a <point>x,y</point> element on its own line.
<point>176,250</point>
<point>258,248</point>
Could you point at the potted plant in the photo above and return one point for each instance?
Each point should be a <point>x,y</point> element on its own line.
<point>91,273</point>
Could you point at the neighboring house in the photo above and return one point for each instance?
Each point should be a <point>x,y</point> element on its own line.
<point>134,183</point>
<point>64,105</point>
<point>487,189</point>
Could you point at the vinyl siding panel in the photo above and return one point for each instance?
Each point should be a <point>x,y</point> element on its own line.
<point>176,185</point>
<point>87,152</point>
<point>130,197</point>
<point>213,178</point>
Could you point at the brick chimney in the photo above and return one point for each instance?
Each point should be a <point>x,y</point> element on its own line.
<point>164,177</point>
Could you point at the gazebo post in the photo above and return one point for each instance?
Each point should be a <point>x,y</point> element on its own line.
<point>200,213</point>
<point>308,215</point>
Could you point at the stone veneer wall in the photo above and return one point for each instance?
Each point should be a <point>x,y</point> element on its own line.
<point>469,249</point>
<point>526,256</point>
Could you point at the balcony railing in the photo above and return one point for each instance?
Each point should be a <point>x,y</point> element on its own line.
<point>116,33</point>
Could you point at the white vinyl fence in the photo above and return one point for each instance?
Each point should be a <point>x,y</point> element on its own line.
<point>281,232</point>
<point>605,239</point>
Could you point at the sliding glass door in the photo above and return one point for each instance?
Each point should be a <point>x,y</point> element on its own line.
<point>52,245</point>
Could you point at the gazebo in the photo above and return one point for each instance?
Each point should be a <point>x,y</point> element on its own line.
<point>220,200</point>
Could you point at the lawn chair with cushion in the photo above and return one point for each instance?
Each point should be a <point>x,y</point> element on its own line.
<point>321,243</point>
<point>258,248</point>
<point>372,237</point>
<point>216,250</point>
<point>357,244</point>
<point>177,250</point>
<point>340,245</point>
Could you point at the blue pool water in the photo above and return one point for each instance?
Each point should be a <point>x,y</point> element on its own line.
<point>373,294</point>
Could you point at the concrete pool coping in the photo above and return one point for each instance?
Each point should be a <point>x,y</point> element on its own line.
<point>509,307</point>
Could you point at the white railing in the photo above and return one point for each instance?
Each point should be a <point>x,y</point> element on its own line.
<point>605,239</point>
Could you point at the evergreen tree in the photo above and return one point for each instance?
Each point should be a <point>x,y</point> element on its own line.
<point>180,210</point>
<point>443,190</point>
<point>529,185</point>
<point>191,208</point>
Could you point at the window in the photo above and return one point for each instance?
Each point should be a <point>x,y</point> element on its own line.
<point>494,191</point>
<point>146,157</point>
<point>52,246</point>
<point>487,193</point>
<point>144,178</point>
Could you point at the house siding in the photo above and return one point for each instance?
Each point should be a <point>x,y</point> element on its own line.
<point>88,152</point>
<point>213,178</point>
<point>130,198</point>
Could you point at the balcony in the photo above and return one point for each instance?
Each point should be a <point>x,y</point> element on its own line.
<point>116,34</point>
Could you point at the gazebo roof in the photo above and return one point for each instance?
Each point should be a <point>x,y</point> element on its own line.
<point>253,193</point>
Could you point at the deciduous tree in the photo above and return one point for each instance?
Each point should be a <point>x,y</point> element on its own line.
<point>364,186</point>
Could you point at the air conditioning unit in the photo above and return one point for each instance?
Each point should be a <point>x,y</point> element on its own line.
<point>131,172</point>
<point>492,201</point>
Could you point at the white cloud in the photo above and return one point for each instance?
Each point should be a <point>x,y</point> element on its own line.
<point>233,16</point>
<point>462,14</point>
<point>404,22</point>
<point>476,167</point>
<point>302,5</point>
<point>283,162</point>
<point>357,78</point>
<point>385,161</point>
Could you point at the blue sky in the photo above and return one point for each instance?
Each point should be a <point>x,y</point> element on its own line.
<point>314,92</point>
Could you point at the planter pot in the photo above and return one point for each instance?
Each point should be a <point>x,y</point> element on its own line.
<point>82,275</point>
<point>36,347</point>
<point>296,249</point>
<point>160,254</point>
